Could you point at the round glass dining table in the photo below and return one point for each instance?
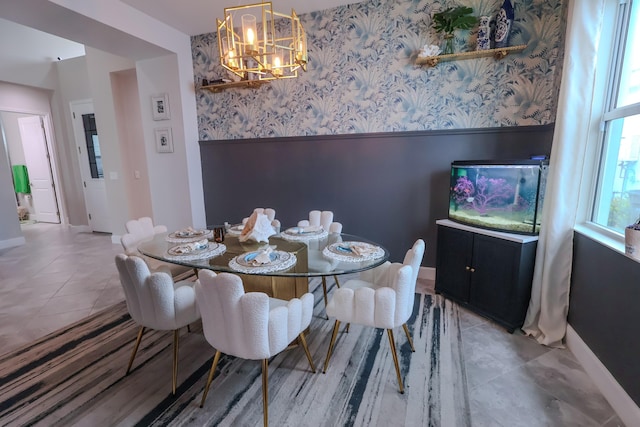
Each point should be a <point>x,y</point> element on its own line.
<point>290,259</point>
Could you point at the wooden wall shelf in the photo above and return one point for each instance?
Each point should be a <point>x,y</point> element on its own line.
<point>219,87</point>
<point>499,53</point>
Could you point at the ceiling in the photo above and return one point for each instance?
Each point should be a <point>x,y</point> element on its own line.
<point>195,17</point>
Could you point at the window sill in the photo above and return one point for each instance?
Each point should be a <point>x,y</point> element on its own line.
<point>604,237</point>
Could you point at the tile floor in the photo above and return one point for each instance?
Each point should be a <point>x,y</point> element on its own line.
<point>60,276</point>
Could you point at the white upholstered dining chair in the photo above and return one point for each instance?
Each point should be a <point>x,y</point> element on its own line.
<point>249,325</point>
<point>142,229</point>
<point>155,301</point>
<point>381,298</point>
<point>323,218</point>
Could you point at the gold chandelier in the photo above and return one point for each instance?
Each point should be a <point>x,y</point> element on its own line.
<point>274,47</point>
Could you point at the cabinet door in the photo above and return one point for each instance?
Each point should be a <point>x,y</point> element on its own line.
<point>495,275</point>
<point>453,262</point>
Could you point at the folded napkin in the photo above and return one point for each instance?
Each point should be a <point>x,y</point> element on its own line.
<point>190,247</point>
<point>187,232</point>
<point>263,257</point>
<point>362,249</point>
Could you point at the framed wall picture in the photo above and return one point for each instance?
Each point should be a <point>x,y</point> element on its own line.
<point>164,141</point>
<point>160,106</point>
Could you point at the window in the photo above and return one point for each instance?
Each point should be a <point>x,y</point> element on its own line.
<point>617,194</point>
<point>93,146</point>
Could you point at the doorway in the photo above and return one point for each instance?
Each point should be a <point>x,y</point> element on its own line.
<point>90,161</point>
<point>37,159</point>
<point>30,154</point>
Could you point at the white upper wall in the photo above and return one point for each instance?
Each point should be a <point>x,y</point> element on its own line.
<point>116,28</point>
<point>28,55</point>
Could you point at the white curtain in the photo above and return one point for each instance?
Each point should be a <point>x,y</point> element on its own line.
<point>546,319</point>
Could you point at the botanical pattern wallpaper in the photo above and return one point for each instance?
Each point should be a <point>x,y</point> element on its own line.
<point>362,76</point>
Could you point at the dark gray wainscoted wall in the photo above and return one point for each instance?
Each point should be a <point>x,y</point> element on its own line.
<point>388,187</point>
<point>603,309</point>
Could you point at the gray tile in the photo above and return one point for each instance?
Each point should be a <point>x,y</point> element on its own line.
<point>614,421</point>
<point>469,319</point>
<point>78,301</point>
<point>561,375</point>
<point>515,400</point>
<point>491,351</point>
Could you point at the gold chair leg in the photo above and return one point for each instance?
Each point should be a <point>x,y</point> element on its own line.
<point>324,294</point>
<point>176,334</point>
<point>135,349</point>
<point>216,358</point>
<point>336,279</point>
<point>188,328</point>
<point>395,359</point>
<point>265,390</point>
<point>406,332</point>
<point>303,341</point>
<point>324,290</point>
<point>333,340</point>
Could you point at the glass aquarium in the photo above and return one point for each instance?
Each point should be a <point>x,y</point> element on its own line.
<point>498,195</point>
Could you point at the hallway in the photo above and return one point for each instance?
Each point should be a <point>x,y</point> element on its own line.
<point>56,278</point>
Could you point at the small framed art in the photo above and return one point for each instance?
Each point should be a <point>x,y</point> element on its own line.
<point>164,142</point>
<point>160,106</point>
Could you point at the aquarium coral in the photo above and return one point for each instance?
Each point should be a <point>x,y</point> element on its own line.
<point>488,193</point>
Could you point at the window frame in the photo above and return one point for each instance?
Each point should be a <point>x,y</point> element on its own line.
<point>606,86</point>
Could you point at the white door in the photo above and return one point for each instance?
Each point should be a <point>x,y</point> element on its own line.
<point>90,158</point>
<point>36,155</point>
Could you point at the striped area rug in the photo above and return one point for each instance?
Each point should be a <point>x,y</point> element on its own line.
<point>75,376</point>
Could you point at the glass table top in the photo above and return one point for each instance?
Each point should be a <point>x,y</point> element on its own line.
<point>289,254</point>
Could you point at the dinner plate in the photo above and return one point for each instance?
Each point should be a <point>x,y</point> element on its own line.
<point>280,260</point>
<point>187,250</point>
<point>276,257</point>
<point>342,251</point>
<point>189,234</point>
<point>236,230</point>
<point>344,248</point>
<point>183,236</point>
<point>299,235</point>
<point>300,231</point>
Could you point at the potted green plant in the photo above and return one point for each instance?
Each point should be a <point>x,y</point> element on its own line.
<point>450,20</point>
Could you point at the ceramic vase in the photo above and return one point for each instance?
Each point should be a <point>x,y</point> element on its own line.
<point>484,33</point>
<point>504,20</point>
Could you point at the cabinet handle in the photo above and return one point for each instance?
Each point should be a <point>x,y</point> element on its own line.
<point>470,269</point>
<point>473,270</point>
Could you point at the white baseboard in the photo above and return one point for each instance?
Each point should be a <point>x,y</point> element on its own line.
<point>619,400</point>
<point>427,273</point>
<point>11,243</point>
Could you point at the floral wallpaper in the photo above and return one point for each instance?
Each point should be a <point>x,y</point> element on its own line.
<point>362,77</point>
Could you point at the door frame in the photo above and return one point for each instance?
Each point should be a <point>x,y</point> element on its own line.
<point>80,143</point>
<point>53,157</point>
<point>38,162</point>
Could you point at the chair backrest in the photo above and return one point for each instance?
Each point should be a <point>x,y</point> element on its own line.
<point>325,219</point>
<point>151,298</point>
<point>406,286</point>
<point>139,230</point>
<point>242,324</point>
